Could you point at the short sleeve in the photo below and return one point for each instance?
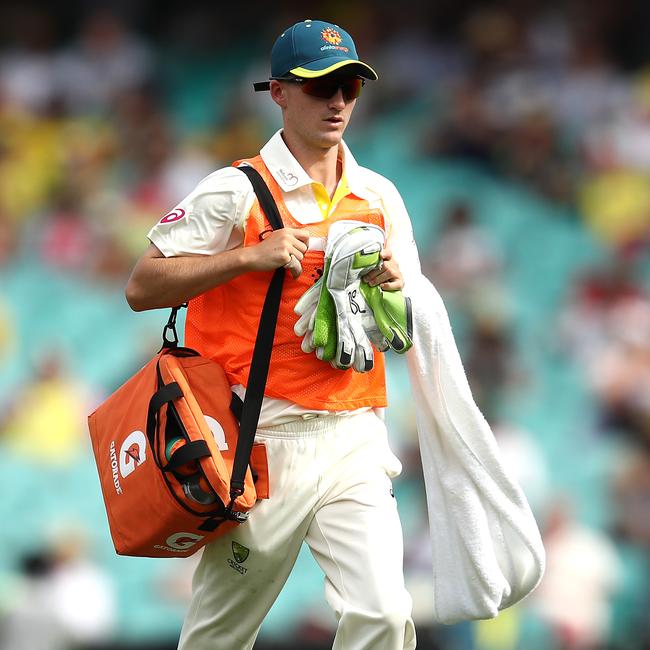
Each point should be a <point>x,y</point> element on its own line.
<point>210,220</point>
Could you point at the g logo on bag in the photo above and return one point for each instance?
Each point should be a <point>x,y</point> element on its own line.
<point>179,542</point>
<point>183,541</point>
<point>218,432</point>
<point>133,452</point>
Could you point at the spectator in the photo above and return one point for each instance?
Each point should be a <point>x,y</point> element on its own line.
<point>46,421</point>
<point>66,237</point>
<point>27,66</point>
<point>631,494</point>
<point>620,374</point>
<point>491,365</point>
<point>582,574</point>
<point>29,622</point>
<point>9,241</point>
<point>105,60</point>
<point>84,599</point>
<point>467,265</point>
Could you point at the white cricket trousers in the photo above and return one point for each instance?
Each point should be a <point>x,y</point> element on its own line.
<point>330,487</point>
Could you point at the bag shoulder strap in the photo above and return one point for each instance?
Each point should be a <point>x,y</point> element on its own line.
<point>259,369</point>
<point>263,345</point>
<point>264,196</point>
<point>270,209</point>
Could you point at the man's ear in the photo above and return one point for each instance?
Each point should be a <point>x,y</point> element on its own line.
<point>278,93</point>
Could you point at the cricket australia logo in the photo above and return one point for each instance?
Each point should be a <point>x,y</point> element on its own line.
<point>240,553</point>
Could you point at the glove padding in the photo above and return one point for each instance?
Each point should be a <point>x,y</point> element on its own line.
<point>331,319</point>
<point>352,257</point>
<point>340,315</point>
<point>306,309</point>
<point>317,322</point>
<point>393,318</point>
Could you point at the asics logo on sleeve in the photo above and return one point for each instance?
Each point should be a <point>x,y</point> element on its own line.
<point>174,215</point>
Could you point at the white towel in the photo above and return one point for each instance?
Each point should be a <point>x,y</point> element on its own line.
<point>487,549</point>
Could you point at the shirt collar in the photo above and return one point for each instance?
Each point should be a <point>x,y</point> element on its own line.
<point>284,168</point>
<point>290,175</point>
<point>353,174</point>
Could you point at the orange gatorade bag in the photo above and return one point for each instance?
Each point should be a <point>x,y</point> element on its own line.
<point>174,447</point>
<point>164,444</point>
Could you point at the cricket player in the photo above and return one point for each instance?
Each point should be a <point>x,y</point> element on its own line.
<point>330,464</point>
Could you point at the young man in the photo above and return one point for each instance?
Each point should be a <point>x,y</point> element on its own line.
<point>329,461</point>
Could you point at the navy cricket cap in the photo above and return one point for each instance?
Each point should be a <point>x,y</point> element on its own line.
<point>314,48</point>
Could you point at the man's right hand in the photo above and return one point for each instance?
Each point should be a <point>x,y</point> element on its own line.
<point>285,247</point>
<point>158,281</point>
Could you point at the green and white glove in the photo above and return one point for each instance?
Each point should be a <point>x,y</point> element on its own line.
<point>306,309</point>
<point>307,305</point>
<point>392,318</point>
<point>386,317</point>
<point>352,256</point>
<point>340,315</point>
<point>336,333</point>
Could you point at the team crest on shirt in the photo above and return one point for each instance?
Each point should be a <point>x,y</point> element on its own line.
<point>331,36</point>
<point>240,552</point>
<point>174,215</point>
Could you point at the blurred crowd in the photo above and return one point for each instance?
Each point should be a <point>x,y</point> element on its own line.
<point>110,114</point>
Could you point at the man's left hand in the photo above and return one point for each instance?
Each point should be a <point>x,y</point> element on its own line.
<point>387,276</point>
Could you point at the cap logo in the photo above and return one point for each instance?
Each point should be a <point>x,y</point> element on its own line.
<point>331,36</point>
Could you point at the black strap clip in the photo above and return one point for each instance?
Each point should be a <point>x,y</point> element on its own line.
<point>232,515</point>
<point>170,334</point>
<point>239,517</point>
<point>228,514</point>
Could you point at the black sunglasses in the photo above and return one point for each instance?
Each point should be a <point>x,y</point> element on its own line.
<point>327,87</point>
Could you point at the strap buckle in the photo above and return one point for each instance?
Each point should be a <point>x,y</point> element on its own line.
<point>232,515</point>
<point>239,517</point>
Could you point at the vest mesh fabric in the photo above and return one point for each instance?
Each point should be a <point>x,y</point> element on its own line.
<point>222,323</point>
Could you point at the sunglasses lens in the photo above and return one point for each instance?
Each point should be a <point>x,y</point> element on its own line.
<point>326,88</point>
<point>353,88</point>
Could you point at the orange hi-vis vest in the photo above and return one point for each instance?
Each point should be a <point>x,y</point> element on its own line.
<point>222,323</point>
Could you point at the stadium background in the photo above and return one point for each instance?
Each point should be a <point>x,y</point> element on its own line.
<point>519,135</point>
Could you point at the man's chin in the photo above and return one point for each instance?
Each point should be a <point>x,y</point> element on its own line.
<point>329,140</point>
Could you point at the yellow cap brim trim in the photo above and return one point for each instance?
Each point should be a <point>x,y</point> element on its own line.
<point>312,74</point>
